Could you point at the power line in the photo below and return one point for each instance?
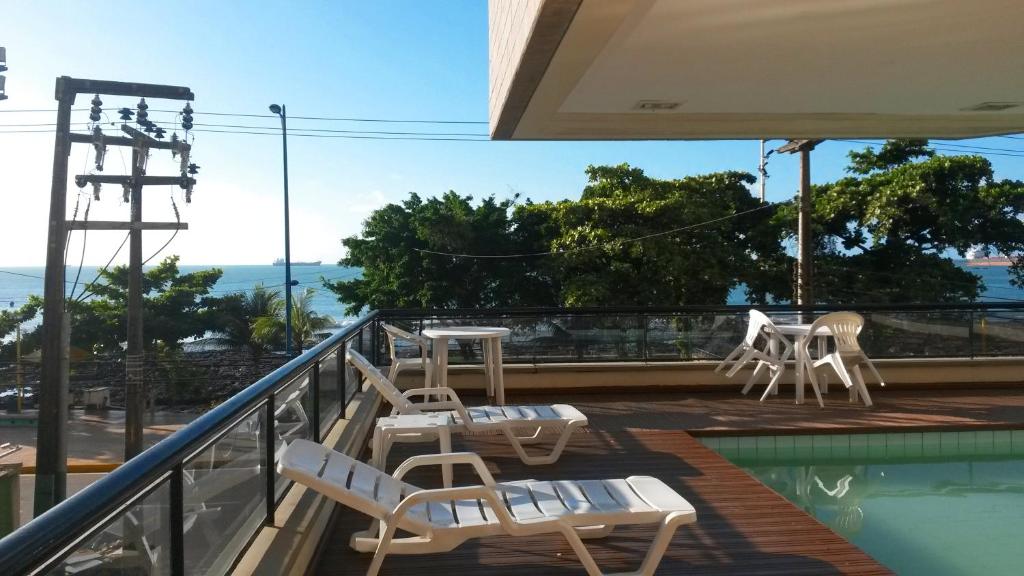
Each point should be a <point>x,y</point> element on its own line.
<point>604,244</point>
<point>941,148</point>
<point>322,118</point>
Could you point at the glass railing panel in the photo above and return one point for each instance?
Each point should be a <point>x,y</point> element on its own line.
<point>224,489</point>
<point>910,334</point>
<point>136,542</point>
<point>292,407</point>
<point>998,333</point>
<point>693,336</point>
<point>330,393</point>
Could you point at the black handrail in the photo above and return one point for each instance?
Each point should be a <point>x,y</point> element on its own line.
<point>45,540</point>
<point>694,308</point>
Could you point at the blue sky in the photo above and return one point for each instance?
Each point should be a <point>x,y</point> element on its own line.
<point>389,59</point>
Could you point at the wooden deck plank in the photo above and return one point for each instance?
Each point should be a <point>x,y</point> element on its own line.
<point>743,527</point>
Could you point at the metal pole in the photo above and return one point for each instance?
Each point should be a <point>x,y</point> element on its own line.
<point>804,292</point>
<point>287,242</point>
<point>270,443</point>
<point>314,389</point>
<point>177,521</point>
<point>19,374</point>
<point>761,171</point>
<point>51,444</point>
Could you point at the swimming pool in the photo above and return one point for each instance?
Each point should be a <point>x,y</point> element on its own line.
<point>931,503</point>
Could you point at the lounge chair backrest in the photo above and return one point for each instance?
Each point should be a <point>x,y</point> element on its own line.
<point>381,383</point>
<point>845,326</point>
<point>348,481</point>
<point>756,326</point>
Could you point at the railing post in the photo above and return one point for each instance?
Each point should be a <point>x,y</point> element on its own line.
<point>359,344</point>
<point>314,389</point>
<point>177,521</point>
<point>643,341</point>
<point>271,445</point>
<point>970,333</point>
<point>341,377</point>
<point>374,353</point>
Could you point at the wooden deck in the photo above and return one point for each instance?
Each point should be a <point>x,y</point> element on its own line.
<point>743,527</point>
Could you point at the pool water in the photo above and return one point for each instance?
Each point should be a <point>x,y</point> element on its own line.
<point>933,503</point>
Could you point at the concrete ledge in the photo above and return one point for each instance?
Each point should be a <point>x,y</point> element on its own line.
<point>303,518</point>
<point>700,375</point>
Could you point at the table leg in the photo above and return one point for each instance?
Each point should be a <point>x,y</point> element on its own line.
<point>441,376</point>
<point>444,438</point>
<point>489,368</point>
<point>800,364</point>
<point>773,350</point>
<point>499,373</point>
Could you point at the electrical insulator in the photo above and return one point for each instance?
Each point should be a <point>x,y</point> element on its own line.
<point>126,114</point>
<point>99,146</point>
<point>150,127</point>
<point>186,116</point>
<point>174,145</point>
<point>95,110</point>
<point>193,169</point>
<point>142,117</point>
<point>126,193</point>
<point>159,133</point>
<point>96,191</point>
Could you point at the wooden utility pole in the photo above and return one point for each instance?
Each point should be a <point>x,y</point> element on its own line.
<point>51,455</point>
<point>805,249</point>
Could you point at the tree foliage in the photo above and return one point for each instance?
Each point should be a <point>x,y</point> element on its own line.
<point>238,312</point>
<point>885,233</point>
<point>307,325</point>
<point>594,264</point>
<point>175,307</point>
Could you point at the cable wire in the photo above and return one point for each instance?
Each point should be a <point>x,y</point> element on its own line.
<point>604,244</point>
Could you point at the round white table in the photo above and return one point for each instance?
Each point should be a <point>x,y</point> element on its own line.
<point>800,332</point>
<point>490,336</point>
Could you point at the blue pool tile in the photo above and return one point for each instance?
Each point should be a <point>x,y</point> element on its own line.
<point>895,445</point>
<point>1001,440</point>
<point>984,442</point>
<point>913,444</point>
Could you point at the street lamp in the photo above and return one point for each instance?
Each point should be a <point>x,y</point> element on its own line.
<point>280,111</point>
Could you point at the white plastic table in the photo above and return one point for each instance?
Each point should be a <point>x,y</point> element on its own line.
<point>412,428</point>
<point>800,332</point>
<point>490,336</point>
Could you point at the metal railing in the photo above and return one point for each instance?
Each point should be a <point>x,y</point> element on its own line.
<point>684,333</point>
<point>193,502</point>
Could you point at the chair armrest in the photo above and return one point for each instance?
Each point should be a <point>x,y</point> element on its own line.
<point>470,458</point>
<point>485,493</point>
<point>446,391</point>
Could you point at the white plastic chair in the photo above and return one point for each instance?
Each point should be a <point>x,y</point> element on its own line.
<point>844,328</point>
<point>439,520</point>
<point>759,327</point>
<point>396,334</point>
<point>511,421</point>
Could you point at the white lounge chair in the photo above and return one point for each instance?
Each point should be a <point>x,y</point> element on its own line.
<point>508,420</point>
<point>844,328</point>
<point>398,364</point>
<point>760,327</point>
<point>442,519</point>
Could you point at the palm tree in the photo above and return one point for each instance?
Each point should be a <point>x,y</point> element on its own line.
<point>243,310</point>
<point>306,323</point>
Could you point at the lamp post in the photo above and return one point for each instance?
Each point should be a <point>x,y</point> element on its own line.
<point>281,112</point>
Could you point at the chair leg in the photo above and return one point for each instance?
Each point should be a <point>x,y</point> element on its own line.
<point>874,371</point>
<point>549,458</point>
<point>651,560</point>
<point>753,377</point>
<point>382,550</point>
<point>861,385</point>
<point>773,385</point>
<point>728,358</point>
<point>747,355</point>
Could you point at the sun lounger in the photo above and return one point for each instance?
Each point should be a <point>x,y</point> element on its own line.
<point>511,421</point>
<point>442,519</point>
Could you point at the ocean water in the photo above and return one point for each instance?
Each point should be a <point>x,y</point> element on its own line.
<point>18,283</point>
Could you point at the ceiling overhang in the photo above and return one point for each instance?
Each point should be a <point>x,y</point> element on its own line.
<point>724,69</point>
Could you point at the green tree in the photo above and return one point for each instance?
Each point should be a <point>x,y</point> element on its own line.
<point>237,313</point>
<point>693,249</point>
<point>886,232</point>
<point>307,325</point>
<point>400,270</point>
<point>175,307</point>
<point>9,322</point>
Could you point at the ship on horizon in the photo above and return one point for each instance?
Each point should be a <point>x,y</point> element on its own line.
<point>976,258</point>
<point>280,262</point>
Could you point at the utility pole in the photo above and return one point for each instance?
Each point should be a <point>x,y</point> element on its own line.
<point>762,168</point>
<point>3,68</point>
<point>805,250</point>
<point>51,456</point>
